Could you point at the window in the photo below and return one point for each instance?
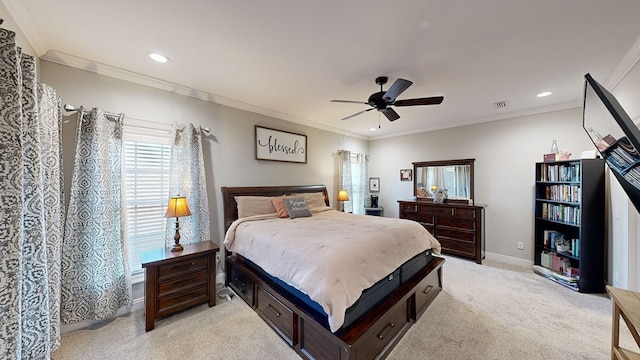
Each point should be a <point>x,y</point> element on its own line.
<point>146,191</point>
<point>353,178</point>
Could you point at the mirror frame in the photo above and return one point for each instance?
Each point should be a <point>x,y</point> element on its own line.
<point>421,164</point>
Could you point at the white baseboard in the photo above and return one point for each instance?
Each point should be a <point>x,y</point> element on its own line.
<point>512,260</point>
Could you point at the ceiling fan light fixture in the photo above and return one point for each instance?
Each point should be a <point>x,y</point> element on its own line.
<point>159,57</point>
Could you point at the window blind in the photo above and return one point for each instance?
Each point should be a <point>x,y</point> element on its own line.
<point>146,192</point>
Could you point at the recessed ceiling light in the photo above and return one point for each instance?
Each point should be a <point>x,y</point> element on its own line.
<point>373,129</point>
<point>158,57</point>
<point>543,94</point>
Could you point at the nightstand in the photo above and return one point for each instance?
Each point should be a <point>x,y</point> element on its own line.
<point>175,281</point>
<point>375,211</point>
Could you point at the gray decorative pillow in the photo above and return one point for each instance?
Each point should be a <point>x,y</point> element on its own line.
<point>297,207</point>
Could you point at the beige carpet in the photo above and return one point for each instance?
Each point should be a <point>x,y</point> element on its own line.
<point>489,311</point>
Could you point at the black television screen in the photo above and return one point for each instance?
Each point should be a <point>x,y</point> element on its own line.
<point>615,136</point>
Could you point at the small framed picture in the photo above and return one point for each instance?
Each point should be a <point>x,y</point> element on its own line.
<point>406,174</point>
<point>374,184</point>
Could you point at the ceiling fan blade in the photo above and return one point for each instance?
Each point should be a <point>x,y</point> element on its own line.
<point>420,101</point>
<point>350,102</point>
<point>399,86</point>
<point>356,114</point>
<point>391,114</point>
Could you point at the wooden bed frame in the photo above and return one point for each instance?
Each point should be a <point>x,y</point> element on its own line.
<point>372,336</point>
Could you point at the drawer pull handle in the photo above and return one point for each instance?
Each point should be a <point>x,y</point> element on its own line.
<point>390,326</point>
<point>193,263</point>
<point>277,312</point>
<point>427,289</point>
<point>452,211</point>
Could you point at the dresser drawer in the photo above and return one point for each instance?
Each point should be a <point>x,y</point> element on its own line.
<point>278,315</point>
<point>452,233</point>
<point>411,212</point>
<point>178,283</point>
<point>457,223</point>
<point>426,292</point>
<point>381,333</point>
<point>436,210</point>
<point>466,213</point>
<point>457,247</point>
<point>179,268</point>
<point>180,300</point>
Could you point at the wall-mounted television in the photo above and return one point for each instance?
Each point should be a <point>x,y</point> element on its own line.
<point>615,136</point>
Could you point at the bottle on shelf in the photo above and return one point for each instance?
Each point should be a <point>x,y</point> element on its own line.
<point>554,147</point>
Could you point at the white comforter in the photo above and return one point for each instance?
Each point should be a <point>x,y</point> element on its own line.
<point>331,256</point>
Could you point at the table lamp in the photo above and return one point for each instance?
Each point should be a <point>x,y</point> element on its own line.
<point>177,207</point>
<point>342,197</point>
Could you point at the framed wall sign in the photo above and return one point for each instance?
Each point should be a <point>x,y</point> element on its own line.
<point>406,174</point>
<point>374,184</point>
<point>277,145</point>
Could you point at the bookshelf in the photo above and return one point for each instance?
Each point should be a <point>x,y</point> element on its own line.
<point>569,236</point>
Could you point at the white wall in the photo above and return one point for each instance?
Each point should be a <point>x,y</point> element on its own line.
<point>624,234</point>
<point>505,153</point>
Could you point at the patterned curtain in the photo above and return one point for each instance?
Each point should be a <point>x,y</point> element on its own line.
<point>188,179</point>
<point>96,279</point>
<point>31,203</point>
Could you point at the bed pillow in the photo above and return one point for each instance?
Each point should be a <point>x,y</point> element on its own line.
<point>314,200</point>
<point>254,205</point>
<point>278,204</point>
<point>297,207</point>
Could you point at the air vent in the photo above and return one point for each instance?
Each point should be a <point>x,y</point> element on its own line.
<point>500,104</point>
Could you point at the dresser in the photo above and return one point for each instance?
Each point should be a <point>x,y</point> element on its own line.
<point>459,227</point>
<point>175,281</point>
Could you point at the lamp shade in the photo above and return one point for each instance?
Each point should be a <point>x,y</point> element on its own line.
<point>177,207</point>
<point>343,196</point>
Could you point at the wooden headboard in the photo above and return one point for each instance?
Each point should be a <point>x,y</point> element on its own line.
<point>231,207</point>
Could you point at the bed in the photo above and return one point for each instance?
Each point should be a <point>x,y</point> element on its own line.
<point>375,310</point>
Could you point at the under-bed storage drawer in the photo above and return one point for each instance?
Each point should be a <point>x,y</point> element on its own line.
<point>426,291</point>
<point>276,314</point>
<point>380,334</point>
<point>241,284</point>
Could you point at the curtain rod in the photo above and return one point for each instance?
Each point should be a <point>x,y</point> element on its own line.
<point>71,108</point>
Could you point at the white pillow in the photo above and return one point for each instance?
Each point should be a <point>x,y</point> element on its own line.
<point>254,205</point>
<point>314,200</point>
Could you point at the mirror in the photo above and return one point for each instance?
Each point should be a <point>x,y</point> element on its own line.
<point>454,175</point>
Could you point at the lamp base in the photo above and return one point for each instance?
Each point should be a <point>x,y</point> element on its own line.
<point>176,247</point>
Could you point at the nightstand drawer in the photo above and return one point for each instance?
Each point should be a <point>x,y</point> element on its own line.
<point>278,315</point>
<point>178,283</point>
<point>179,268</point>
<point>182,299</point>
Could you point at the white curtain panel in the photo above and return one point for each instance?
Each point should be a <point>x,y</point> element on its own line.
<point>96,279</point>
<point>31,204</point>
<point>188,179</point>
<point>344,177</point>
<point>360,186</point>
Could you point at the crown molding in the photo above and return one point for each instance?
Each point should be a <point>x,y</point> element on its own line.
<point>487,119</point>
<point>20,14</point>
<point>626,64</point>
<point>118,73</point>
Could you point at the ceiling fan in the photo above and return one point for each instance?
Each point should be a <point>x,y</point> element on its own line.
<point>382,100</point>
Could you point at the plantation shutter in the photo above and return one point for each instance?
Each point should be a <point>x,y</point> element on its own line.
<point>146,191</point>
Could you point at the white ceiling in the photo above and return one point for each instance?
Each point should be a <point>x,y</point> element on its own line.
<point>289,58</point>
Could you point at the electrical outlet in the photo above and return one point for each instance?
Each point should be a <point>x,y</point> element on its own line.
<point>520,245</point>
<point>218,257</point>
